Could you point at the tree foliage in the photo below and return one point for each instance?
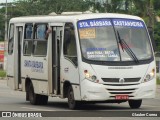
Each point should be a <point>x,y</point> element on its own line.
<point>142,8</point>
<point>43,7</point>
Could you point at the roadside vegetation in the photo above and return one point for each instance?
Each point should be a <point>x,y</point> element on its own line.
<point>149,10</point>
<point>158,81</point>
<point>2,73</point>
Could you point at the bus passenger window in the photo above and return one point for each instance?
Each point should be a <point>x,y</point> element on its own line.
<point>28,31</point>
<point>40,31</point>
<point>11,39</point>
<point>39,41</point>
<point>27,47</point>
<point>28,36</point>
<point>69,47</point>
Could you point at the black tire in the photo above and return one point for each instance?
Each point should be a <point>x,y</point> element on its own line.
<point>135,103</point>
<point>36,99</point>
<point>72,103</point>
<point>43,99</point>
<point>27,96</point>
<point>33,98</point>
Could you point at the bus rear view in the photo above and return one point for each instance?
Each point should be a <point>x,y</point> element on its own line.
<point>117,61</point>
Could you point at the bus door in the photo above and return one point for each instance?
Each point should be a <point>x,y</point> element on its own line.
<point>54,58</point>
<point>69,59</point>
<point>17,56</point>
<point>10,56</point>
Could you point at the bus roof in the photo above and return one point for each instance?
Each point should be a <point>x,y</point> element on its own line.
<point>70,17</point>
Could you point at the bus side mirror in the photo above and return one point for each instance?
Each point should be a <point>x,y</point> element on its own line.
<point>150,30</point>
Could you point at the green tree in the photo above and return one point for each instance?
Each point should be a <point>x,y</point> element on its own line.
<point>156,6</point>
<point>140,8</point>
<point>2,20</point>
<point>43,7</point>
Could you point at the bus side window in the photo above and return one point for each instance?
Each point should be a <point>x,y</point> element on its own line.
<point>28,35</point>
<point>69,46</point>
<point>66,41</point>
<point>11,39</point>
<point>27,47</point>
<point>69,41</point>
<point>39,41</point>
<point>40,31</point>
<point>28,31</point>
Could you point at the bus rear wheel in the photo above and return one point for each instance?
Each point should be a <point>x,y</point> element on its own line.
<point>33,98</point>
<point>43,99</point>
<point>36,99</point>
<point>135,103</point>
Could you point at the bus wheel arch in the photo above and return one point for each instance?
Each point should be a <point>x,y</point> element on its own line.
<point>66,86</point>
<point>35,99</point>
<point>30,95</point>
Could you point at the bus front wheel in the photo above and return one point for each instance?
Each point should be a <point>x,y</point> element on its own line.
<point>135,103</point>
<point>72,103</point>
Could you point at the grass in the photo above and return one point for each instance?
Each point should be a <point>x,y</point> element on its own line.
<point>158,81</point>
<point>2,73</point>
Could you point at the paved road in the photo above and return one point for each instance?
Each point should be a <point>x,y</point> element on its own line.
<point>15,101</point>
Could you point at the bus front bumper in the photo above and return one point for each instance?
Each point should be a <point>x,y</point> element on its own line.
<point>91,91</point>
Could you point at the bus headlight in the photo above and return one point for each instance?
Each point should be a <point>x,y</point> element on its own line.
<point>149,76</point>
<point>90,77</point>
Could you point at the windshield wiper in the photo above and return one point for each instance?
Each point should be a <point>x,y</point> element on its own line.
<point>125,47</point>
<point>120,41</point>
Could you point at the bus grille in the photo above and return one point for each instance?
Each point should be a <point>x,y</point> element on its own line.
<point>126,80</point>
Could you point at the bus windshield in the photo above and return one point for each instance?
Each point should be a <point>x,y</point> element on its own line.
<point>114,40</point>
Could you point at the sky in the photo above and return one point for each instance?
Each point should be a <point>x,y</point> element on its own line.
<point>3,1</point>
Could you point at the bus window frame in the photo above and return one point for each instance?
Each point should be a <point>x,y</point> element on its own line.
<point>42,40</point>
<point>10,53</point>
<point>31,39</point>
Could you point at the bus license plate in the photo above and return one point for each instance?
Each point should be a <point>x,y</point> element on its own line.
<point>121,97</point>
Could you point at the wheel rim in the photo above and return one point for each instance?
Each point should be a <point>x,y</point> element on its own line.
<point>31,95</point>
<point>71,101</point>
<point>71,98</point>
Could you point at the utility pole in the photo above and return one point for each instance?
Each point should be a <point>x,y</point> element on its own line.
<point>6,22</point>
<point>94,8</point>
<point>150,13</point>
<point>5,40</point>
<point>151,16</point>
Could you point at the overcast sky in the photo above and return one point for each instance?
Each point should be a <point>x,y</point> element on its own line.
<point>3,1</point>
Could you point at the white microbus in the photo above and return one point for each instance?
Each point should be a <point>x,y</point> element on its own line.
<point>98,57</point>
